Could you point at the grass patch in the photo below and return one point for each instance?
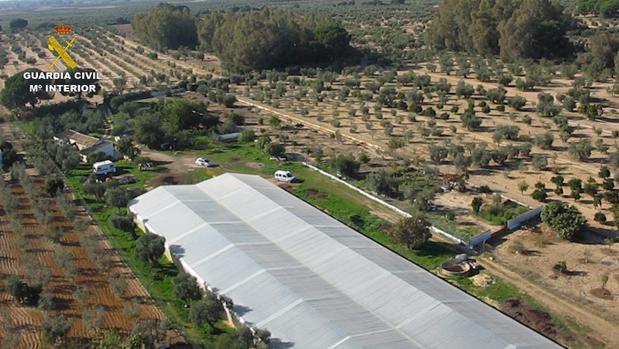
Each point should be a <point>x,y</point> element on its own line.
<point>498,291</point>
<point>159,279</point>
<point>451,227</point>
<point>357,216</point>
<point>499,213</point>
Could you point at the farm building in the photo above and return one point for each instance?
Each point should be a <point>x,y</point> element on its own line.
<point>312,281</point>
<point>87,145</point>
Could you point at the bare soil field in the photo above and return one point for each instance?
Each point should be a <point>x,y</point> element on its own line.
<point>333,115</point>
<point>590,265</point>
<point>85,279</point>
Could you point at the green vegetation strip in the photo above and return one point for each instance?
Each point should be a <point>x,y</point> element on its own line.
<point>499,214</point>
<point>158,280</point>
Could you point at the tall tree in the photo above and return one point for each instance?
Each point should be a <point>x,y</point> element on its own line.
<point>271,38</point>
<point>208,310</point>
<point>515,29</point>
<point>149,130</point>
<point>412,232</point>
<point>186,287</point>
<point>17,94</point>
<point>166,27</point>
<point>18,24</point>
<point>181,115</point>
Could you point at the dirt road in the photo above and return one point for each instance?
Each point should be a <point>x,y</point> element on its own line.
<point>556,304</point>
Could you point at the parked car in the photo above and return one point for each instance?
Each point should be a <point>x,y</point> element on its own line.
<point>103,168</point>
<point>204,162</point>
<point>284,176</point>
<point>126,180</point>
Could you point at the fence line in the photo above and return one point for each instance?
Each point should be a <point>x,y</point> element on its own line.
<point>380,201</point>
<point>519,220</point>
<point>516,201</point>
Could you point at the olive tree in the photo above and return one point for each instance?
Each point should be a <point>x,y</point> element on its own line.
<point>412,232</point>
<point>149,248</point>
<point>186,287</point>
<point>208,310</point>
<point>346,165</point>
<point>55,329</point>
<point>476,204</point>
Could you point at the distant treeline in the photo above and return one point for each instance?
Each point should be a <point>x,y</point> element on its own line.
<point>514,29</point>
<point>264,39</point>
<point>606,8</point>
<point>166,27</point>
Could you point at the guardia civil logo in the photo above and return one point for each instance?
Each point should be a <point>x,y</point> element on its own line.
<point>62,52</point>
<point>64,75</point>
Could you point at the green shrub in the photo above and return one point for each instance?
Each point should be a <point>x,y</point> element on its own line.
<point>565,220</point>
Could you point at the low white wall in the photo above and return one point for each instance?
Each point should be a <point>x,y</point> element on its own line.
<point>517,221</point>
<point>380,201</point>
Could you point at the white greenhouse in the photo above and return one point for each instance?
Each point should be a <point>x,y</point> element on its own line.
<point>310,280</point>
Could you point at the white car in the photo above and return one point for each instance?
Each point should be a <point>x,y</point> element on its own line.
<point>284,176</point>
<point>204,162</point>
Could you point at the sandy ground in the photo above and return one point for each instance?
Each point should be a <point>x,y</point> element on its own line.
<point>587,263</point>
<point>460,204</point>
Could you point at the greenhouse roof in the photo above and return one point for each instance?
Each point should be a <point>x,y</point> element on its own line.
<point>312,281</point>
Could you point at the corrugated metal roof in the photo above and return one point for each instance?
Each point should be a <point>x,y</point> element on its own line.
<point>312,281</point>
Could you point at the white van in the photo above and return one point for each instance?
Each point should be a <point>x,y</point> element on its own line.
<point>284,176</point>
<point>104,168</point>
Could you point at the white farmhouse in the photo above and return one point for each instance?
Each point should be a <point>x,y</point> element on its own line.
<point>87,145</point>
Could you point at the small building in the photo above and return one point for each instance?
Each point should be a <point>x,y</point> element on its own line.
<point>87,145</point>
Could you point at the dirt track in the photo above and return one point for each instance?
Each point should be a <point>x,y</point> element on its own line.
<point>555,303</point>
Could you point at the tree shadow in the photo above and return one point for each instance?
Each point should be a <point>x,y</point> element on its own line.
<point>241,310</point>
<point>575,273</point>
<point>277,343</point>
<point>435,248</point>
<point>603,233</point>
<point>531,253</point>
<point>177,250</point>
